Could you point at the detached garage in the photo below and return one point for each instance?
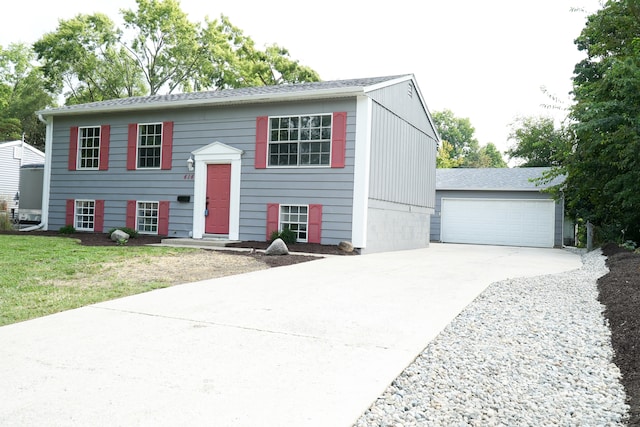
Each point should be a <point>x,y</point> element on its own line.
<point>496,207</point>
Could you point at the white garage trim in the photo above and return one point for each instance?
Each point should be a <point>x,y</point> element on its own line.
<point>509,222</point>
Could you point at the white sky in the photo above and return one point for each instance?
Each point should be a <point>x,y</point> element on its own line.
<point>483,60</point>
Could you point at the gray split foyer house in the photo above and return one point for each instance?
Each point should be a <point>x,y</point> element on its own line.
<point>339,160</point>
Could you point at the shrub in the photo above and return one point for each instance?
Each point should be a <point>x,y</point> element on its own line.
<point>67,229</point>
<point>131,232</point>
<point>5,222</point>
<point>287,236</point>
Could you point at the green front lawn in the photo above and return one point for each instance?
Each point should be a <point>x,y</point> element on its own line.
<point>45,275</point>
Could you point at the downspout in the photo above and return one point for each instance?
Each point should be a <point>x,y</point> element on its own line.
<point>46,185</point>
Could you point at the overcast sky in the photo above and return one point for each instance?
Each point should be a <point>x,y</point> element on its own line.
<point>483,60</point>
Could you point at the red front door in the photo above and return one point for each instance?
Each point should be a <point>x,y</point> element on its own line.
<point>217,204</point>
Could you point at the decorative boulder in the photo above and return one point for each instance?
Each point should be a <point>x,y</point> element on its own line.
<point>277,247</point>
<point>119,236</point>
<point>345,246</point>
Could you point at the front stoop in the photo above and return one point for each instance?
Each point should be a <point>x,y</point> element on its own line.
<point>202,243</point>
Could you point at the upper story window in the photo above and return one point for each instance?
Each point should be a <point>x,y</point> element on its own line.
<point>149,145</point>
<point>89,147</point>
<point>300,140</point>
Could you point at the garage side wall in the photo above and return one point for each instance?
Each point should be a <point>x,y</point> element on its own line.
<point>508,195</point>
<point>402,173</point>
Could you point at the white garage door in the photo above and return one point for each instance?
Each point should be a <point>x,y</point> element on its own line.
<point>498,222</point>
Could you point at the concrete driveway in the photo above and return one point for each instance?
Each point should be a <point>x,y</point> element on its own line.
<point>311,344</point>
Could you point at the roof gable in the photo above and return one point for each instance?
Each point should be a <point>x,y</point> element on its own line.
<point>493,179</point>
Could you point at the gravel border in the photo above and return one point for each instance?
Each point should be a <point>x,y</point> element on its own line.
<point>526,352</point>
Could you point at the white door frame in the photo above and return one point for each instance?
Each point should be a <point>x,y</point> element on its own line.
<point>216,153</point>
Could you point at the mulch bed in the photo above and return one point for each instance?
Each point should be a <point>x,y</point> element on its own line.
<point>619,292</point>
<point>102,239</point>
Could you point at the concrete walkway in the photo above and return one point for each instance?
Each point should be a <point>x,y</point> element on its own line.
<point>311,344</point>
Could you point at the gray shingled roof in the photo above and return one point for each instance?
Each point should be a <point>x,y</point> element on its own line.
<point>250,94</point>
<point>486,179</point>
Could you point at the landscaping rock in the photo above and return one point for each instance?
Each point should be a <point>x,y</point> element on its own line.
<point>278,247</point>
<point>119,236</point>
<point>345,246</point>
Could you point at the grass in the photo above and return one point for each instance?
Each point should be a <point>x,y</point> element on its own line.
<point>46,275</point>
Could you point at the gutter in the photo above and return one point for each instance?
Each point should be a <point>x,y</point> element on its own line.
<point>46,185</point>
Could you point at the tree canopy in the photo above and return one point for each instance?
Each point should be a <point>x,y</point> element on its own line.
<point>158,51</point>
<point>603,183</point>
<point>538,142</point>
<point>22,93</point>
<point>459,147</point>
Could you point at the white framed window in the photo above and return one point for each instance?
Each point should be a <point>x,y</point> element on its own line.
<point>84,215</point>
<point>296,219</point>
<point>147,217</point>
<point>149,145</point>
<point>300,140</point>
<point>89,147</point>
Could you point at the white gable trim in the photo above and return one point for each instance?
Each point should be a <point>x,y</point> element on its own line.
<point>362,166</point>
<point>216,153</point>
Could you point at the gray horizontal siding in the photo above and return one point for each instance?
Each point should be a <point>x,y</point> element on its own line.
<point>509,195</point>
<point>195,128</point>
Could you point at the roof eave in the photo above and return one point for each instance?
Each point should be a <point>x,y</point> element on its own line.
<point>246,99</point>
<point>538,189</point>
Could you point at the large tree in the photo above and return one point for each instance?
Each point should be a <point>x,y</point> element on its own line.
<point>158,51</point>
<point>603,183</point>
<point>538,142</point>
<point>22,92</point>
<point>459,147</point>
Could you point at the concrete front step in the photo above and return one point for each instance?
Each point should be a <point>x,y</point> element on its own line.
<point>206,242</point>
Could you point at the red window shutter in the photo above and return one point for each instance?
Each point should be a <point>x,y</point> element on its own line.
<point>132,145</point>
<point>98,215</point>
<point>338,139</point>
<point>68,220</point>
<point>262,136</point>
<point>315,224</point>
<point>131,214</point>
<point>167,145</point>
<point>105,134</point>
<point>163,218</point>
<point>273,214</point>
<point>73,148</point>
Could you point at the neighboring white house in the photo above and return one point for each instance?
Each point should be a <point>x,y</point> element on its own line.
<point>14,155</point>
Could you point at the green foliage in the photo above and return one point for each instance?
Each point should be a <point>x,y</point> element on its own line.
<point>537,142</point>
<point>287,236</point>
<point>67,229</point>
<point>90,59</point>
<point>22,92</point>
<point>130,231</point>
<point>603,183</point>
<point>459,147</point>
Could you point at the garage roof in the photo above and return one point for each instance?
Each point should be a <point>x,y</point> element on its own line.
<point>493,179</point>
